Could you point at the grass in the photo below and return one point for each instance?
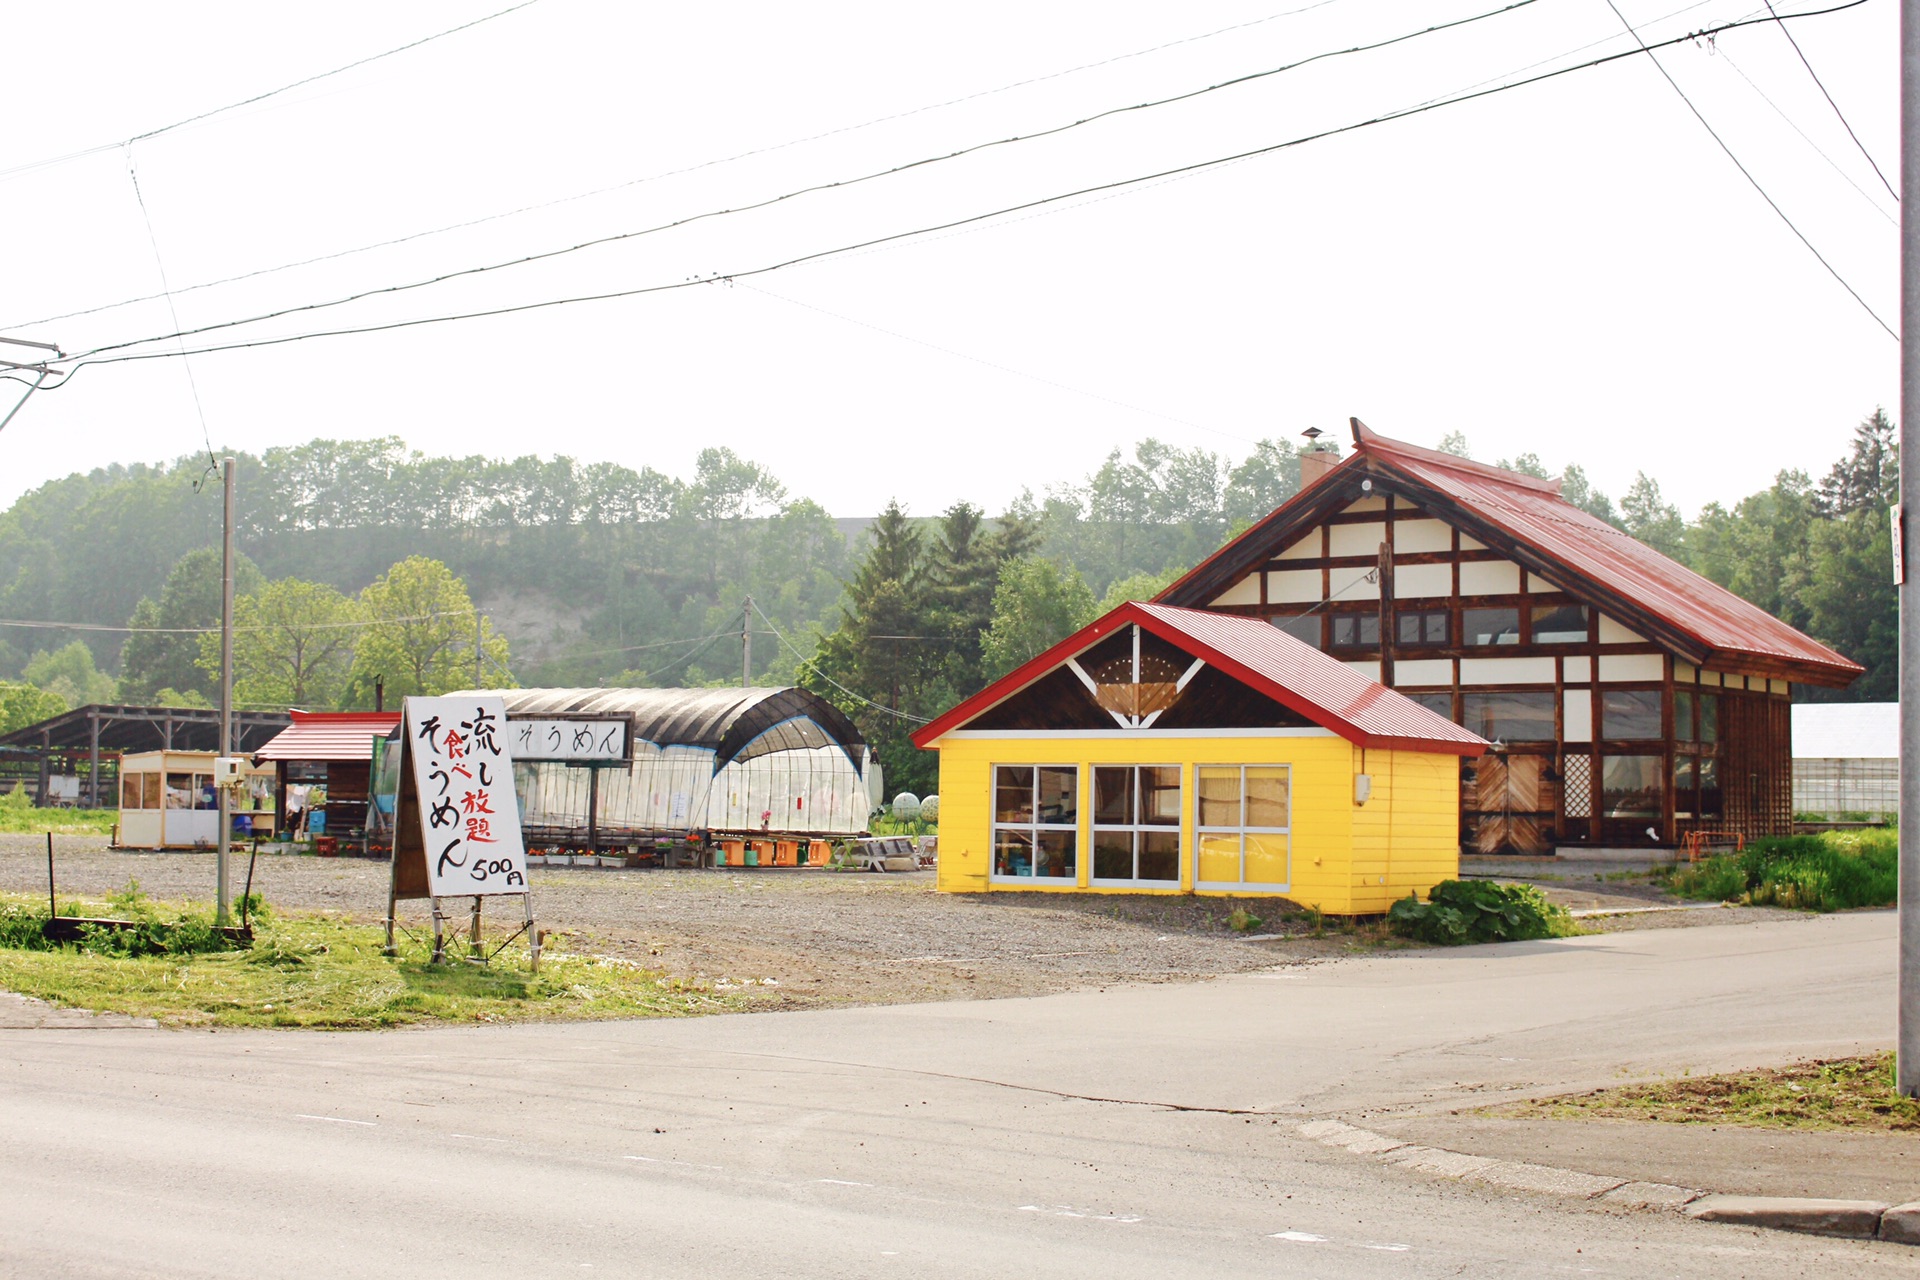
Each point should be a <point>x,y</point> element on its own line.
<point>19,817</point>
<point>1831,871</point>
<point>1841,1093</point>
<point>325,971</point>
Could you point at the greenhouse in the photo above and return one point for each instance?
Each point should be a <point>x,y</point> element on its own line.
<point>781,762</point>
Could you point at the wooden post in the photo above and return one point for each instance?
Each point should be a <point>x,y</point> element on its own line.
<point>474,950</point>
<point>593,810</point>
<point>439,932</point>
<point>1386,614</point>
<point>93,757</point>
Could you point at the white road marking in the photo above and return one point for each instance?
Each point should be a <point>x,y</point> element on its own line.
<point>335,1120</point>
<point>1299,1237</point>
<point>839,1182</point>
<point>474,1137</point>
<point>1068,1211</point>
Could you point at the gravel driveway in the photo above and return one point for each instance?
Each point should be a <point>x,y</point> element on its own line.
<point>806,938</point>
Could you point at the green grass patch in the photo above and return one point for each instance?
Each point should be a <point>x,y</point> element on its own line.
<point>1830,871</point>
<point>19,817</point>
<point>326,971</point>
<point>1841,1093</point>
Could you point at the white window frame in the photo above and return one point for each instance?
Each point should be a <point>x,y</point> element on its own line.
<point>1136,828</point>
<point>1202,831</point>
<point>1035,827</point>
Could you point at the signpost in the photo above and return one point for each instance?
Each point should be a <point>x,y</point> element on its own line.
<point>457,820</point>
<point>570,740</point>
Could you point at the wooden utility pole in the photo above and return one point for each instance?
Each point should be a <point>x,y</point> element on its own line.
<point>222,892</point>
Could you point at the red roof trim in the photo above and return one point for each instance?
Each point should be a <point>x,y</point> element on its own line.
<point>1167,622</point>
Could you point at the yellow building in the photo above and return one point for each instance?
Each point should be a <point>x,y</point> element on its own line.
<point>1165,750</point>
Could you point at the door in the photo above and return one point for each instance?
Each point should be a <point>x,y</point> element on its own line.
<point>1509,809</point>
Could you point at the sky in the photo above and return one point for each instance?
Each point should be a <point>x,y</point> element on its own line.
<point>1573,268</point>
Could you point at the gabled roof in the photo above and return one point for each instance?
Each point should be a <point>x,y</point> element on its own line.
<point>1261,656</point>
<point>344,736</point>
<point>1527,519</point>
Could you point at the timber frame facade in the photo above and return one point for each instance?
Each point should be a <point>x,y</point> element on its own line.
<point>1630,700</point>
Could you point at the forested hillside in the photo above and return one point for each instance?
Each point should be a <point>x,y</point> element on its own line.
<point>596,573</point>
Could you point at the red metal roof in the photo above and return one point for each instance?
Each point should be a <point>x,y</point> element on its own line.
<point>330,735</point>
<point>1585,556</point>
<point>1261,656</point>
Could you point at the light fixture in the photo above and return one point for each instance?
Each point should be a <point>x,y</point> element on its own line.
<point>1366,486</point>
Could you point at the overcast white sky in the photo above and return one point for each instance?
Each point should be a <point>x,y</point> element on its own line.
<point>1572,268</point>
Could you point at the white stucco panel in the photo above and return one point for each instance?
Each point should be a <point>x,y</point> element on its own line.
<point>1356,539</point>
<point>1576,715</point>
<point>1293,586</point>
<point>1410,536</point>
<point>1612,632</point>
<point>1506,671</point>
<point>1422,581</point>
<point>1489,578</point>
<point>1412,672</point>
<point>1245,591</point>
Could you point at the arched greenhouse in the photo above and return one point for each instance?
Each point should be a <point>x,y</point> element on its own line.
<point>784,762</point>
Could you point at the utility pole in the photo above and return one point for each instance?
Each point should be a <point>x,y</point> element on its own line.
<point>221,887</point>
<point>746,643</point>
<point>38,368</point>
<point>1907,1057</point>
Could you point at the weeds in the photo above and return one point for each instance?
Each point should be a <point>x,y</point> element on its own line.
<point>18,817</point>
<point>1843,1093</point>
<point>1466,911</point>
<point>1832,871</point>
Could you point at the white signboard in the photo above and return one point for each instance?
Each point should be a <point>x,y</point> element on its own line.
<point>568,740</point>
<point>469,815</point>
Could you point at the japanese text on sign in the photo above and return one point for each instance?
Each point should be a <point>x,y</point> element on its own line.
<point>568,740</point>
<point>469,815</point>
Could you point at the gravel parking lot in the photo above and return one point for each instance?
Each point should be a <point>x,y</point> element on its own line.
<point>805,938</point>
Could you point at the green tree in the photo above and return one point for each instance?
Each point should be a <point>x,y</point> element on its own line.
<point>21,705</point>
<point>1850,600</point>
<point>1135,587</point>
<point>1527,464</point>
<point>69,674</point>
<point>1869,476</point>
<point>1455,443</point>
<point>1652,519</point>
<point>1577,489</point>
<point>1036,605</point>
<point>163,650</point>
<point>1260,482</point>
<point>292,646</point>
<point>420,635</point>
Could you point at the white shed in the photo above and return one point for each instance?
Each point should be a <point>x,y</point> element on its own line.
<point>1846,758</point>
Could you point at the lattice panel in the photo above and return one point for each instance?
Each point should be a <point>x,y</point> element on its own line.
<point>1578,789</point>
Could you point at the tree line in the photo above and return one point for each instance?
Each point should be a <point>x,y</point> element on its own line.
<point>601,574</point>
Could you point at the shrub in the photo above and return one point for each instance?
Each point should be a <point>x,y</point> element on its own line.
<point>1463,911</point>
<point>1832,871</point>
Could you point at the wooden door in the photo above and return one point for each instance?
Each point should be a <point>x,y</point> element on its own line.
<point>1511,811</point>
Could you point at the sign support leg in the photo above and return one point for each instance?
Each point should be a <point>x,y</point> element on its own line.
<point>533,936</point>
<point>473,935</point>
<point>393,897</point>
<point>439,932</point>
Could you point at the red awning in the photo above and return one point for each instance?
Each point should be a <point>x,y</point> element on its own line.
<point>330,735</point>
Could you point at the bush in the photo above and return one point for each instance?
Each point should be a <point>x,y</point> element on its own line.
<point>1463,911</point>
<point>1832,871</point>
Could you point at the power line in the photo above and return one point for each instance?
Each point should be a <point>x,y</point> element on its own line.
<point>258,97</point>
<point>694,168</point>
<point>1830,102</point>
<point>133,175</point>
<point>877,706</point>
<point>42,625</point>
<point>1743,169</point>
<point>77,363</point>
<point>814,188</point>
<point>1831,162</point>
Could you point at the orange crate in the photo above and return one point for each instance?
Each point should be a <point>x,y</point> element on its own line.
<point>786,853</point>
<point>732,853</point>
<point>760,853</point>
<point>818,851</point>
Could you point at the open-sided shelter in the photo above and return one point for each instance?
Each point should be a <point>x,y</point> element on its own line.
<point>782,762</point>
<point>1176,750</point>
<point>325,758</point>
<point>1633,700</point>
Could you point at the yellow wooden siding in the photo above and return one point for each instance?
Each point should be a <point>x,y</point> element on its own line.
<point>1344,858</point>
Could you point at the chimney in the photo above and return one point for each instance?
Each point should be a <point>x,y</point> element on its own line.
<point>1315,463</point>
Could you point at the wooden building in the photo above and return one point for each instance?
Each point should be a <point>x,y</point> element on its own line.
<point>1630,700</point>
<point>1165,750</point>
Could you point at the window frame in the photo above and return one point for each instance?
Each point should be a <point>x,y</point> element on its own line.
<point>1519,613</point>
<point>1033,827</point>
<point>1137,828</point>
<point>1402,616</point>
<point>1201,831</point>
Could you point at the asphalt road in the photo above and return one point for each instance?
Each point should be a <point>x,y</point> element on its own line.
<point>1135,1131</point>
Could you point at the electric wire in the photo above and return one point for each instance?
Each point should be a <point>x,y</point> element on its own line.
<point>1818,150</point>
<point>256,98</point>
<point>76,363</point>
<point>694,168</point>
<point>791,648</point>
<point>814,188</point>
<point>193,385</point>
<point>1755,182</point>
<point>1830,102</point>
<point>43,625</point>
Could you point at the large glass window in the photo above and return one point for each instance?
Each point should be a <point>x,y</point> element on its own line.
<point>150,791</point>
<point>179,791</point>
<point>1630,787</point>
<point>1422,627</point>
<point>1627,714</point>
<point>1440,703</point>
<point>1304,627</point>
<point>1352,630</point>
<point>1243,816</point>
<point>1685,723</point>
<point>1136,823</point>
<point>1559,623</point>
<point>1709,717</point>
<point>1510,717</point>
<point>1036,821</point>
<point>1490,626</point>
<point>130,790</point>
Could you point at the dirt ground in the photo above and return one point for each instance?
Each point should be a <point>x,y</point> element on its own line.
<point>813,938</point>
